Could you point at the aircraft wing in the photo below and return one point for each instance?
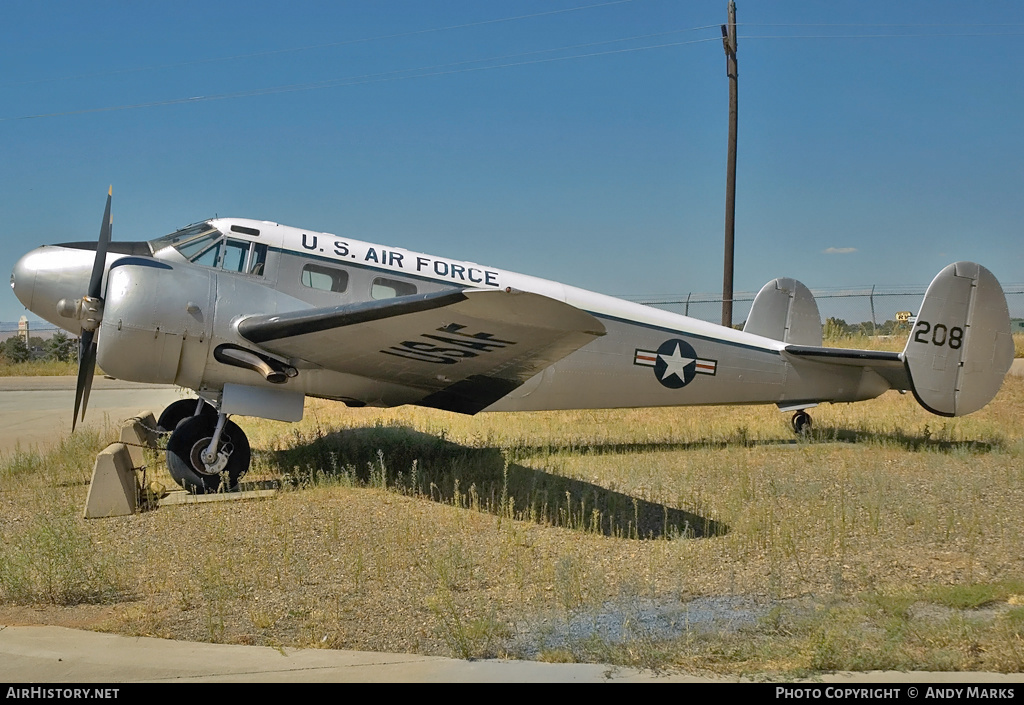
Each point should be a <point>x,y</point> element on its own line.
<point>888,365</point>
<point>464,349</point>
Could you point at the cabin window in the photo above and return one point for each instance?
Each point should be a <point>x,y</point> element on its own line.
<point>317,276</point>
<point>384,288</point>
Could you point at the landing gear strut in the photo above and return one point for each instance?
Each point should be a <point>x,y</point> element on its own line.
<point>207,450</point>
<point>801,423</point>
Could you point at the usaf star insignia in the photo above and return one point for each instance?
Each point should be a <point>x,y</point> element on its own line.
<point>675,363</point>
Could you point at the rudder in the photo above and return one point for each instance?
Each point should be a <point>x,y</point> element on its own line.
<point>960,348</point>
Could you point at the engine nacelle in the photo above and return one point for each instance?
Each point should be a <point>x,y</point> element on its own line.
<point>157,322</point>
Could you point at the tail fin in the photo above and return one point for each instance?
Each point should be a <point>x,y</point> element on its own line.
<point>785,310</point>
<point>960,348</point>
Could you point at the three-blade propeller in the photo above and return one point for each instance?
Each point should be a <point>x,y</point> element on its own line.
<point>93,301</point>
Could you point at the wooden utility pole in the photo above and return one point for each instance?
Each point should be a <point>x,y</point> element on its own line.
<point>729,42</point>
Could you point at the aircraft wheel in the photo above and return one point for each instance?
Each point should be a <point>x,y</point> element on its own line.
<point>180,410</point>
<point>801,423</point>
<point>185,455</point>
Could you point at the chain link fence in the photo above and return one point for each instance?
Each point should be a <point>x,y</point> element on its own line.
<point>40,329</point>
<point>870,310</point>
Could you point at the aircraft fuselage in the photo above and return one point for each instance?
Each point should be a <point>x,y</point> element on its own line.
<point>170,309</point>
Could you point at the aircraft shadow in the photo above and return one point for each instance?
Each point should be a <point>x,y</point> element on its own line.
<point>424,465</point>
<point>899,439</point>
<point>825,434</point>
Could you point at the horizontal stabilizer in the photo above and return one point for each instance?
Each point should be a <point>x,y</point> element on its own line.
<point>888,365</point>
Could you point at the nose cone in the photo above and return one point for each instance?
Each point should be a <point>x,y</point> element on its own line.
<point>23,279</point>
<point>48,274</point>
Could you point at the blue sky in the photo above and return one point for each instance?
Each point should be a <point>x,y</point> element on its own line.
<point>878,141</point>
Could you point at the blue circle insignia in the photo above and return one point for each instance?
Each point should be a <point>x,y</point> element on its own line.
<point>677,363</point>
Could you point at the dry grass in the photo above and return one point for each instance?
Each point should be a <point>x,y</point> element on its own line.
<point>571,536</point>
<point>38,368</point>
<point>896,343</point>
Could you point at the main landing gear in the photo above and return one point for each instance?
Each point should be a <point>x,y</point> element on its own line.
<point>801,423</point>
<point>181,410</point>
<point>205,449</point>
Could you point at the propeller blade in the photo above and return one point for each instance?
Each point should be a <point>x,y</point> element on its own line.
<point>86,369</point>
<point>99,264</point>
<point>87,343</point>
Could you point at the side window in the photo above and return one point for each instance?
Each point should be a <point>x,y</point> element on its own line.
<point>384,288</point>
<point>235,253</point>
<point>317,276</point>
<point>258,260</point>
<point>241,256</point>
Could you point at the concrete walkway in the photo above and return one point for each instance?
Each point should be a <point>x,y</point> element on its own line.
<point>60,655</point>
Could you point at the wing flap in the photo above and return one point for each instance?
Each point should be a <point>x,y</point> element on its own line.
<point>463,349</point>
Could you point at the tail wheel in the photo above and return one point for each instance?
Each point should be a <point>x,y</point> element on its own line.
<point>801,423</point>
<point>185,450</point>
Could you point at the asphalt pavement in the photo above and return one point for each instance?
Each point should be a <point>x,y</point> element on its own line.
<point>36,411</point>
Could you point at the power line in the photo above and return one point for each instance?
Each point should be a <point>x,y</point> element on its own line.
<point>879,36</point>
<point>880,24</point>
<point>449,68</point>
<point>347,42</point>
<point>421,72</point>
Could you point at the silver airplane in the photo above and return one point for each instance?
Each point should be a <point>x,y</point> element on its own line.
<point>256,316</point>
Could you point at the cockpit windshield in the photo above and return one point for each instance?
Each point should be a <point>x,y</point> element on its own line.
<point>204,245</point>
<point>190,238</point>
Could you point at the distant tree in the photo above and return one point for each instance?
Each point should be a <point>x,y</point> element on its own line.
<point>14,349</point>
<point>835,328</point>
<point>890,327</point>
<point>866,328</point>
<point>61,348</point>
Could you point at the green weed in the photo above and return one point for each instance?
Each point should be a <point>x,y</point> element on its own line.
<point>54,560</point>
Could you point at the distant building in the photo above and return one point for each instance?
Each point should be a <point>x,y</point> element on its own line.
<point>26,329</point>
<point>1017,325</point>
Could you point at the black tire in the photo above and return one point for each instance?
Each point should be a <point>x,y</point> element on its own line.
<point>180,410</point>
<point>801,423</point>
<point>186,445</point>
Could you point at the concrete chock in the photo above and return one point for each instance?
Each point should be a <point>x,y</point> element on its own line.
<point>114,490</point>
<point>139,432</point>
